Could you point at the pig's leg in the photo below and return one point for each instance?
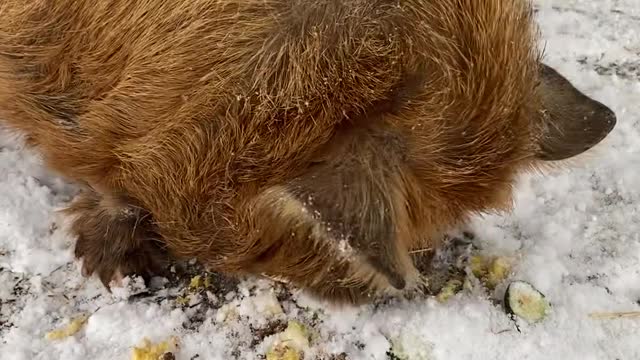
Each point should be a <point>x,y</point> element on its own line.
<point>114,238</point>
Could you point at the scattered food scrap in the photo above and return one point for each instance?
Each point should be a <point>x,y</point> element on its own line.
<point>410,347</point>
<point>150,351</point>
<point>71,329</point>
<point>290,344</point>
<point>451,288</point>
<point>490,270</point>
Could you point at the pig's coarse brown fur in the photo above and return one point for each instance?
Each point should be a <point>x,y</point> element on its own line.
<point>318,142</point>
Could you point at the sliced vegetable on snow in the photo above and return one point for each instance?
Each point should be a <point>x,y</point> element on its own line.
<point>525,301</point>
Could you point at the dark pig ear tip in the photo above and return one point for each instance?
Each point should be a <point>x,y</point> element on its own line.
<point>607,119</point>
<point>609,123</point>
<point>573,122</point>
<point>610,117</point>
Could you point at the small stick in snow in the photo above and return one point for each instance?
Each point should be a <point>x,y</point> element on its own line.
<point>615,315</point>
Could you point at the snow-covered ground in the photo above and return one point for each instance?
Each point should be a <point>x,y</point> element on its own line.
<point>576,233</point>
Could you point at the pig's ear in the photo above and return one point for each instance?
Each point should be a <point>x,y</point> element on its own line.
<point>570,122</point>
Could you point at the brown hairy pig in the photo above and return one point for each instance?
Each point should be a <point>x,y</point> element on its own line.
<point>315,141</point>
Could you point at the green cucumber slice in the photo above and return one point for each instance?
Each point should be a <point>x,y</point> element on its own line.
<point>525,301</point>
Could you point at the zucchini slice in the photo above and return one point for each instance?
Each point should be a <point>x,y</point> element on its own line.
<point>525,301</point>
